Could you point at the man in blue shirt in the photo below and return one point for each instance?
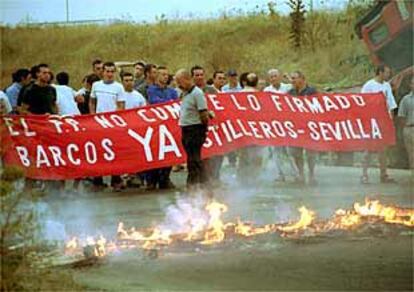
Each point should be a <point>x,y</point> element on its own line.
<point>301,88</point>
<point>21,78</point>
<point>159,92</point>
<point>233,83</point>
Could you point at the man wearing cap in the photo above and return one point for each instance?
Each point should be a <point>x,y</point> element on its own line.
<point>233,85</point>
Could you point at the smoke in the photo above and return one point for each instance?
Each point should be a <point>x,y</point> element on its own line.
<point>188,213</point>
<point>61,215</point>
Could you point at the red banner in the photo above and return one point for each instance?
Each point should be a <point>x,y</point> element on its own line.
<point>52,147</point>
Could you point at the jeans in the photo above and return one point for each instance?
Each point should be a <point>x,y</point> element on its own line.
<point>193,138</point>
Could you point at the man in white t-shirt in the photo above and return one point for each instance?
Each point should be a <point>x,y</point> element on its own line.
<point>277,86</point>
<point>133,98</point>
<point>379,84</point>
<point>65,96</point>
<point>107,95</point>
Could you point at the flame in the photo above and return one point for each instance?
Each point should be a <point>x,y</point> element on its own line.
<point>72,243</point>
<point>389,214</point>
<point>248,230</point>
<point>306,219</point>
<point>208,227</point>
<point>215,232</point>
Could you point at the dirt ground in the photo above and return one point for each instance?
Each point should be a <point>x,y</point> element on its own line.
<point>381,261</point>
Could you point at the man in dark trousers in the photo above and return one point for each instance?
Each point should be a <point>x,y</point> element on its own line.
<point>193,122</point>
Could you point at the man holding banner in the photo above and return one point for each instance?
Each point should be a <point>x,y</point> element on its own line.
<point>379,84</point>
<point>193,122</point>
<point>301,88</point>
<point>107,95</point>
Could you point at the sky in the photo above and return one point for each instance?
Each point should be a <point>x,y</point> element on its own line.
<point>13,12</point>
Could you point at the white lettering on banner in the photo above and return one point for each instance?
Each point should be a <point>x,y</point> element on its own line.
<point>118,120</point>
<point>9,125</point>
<point>164,147</point>
<point>103,122</point>
<point>69,152</point>
<point>10,122</point>
<point>57,156</point>
<point>90,153</point>
<point>234,130</point>
<point>329,104</point>
<point>291,129</point>
<point>141,113</point>
<point>343,101</point>
<point>109,155</point>
<point>23,155</point>
<point>276,102</point>
<point>216,103</point>
<point>358,99</point>
<point>287,100</point>
<point>60,121</point>
<point>41,157</point>
<point>254,102</point>
<point>243,128</point>
<point>74,123</point>
<point>174,110</point>
<point>226,132</point>
<point>267,130</point>
<point>58,125</point>
<point>314,105</point>
<point>352,130</point>
<point>54,156</point>
<point>114,119</point>
<point>299,105</point>
<point>236,103</point>
<point>279,128</point>
<point>145,141</point>
<point>235,135</point>
<point>213,129</point>
<point>255,130</point>
<point>160,113</point>
<point>27,131</point>
<point>376,132</point>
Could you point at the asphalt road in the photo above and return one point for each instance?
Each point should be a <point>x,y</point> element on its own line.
<point>364,261</point>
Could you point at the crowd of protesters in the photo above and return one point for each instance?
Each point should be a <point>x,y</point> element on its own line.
<point>36,91</point>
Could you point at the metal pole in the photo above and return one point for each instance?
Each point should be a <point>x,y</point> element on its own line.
<point>67,10</point>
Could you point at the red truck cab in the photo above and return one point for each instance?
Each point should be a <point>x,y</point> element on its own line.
<point>387,30</point>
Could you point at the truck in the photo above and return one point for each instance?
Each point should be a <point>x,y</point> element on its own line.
<point>387,31</point>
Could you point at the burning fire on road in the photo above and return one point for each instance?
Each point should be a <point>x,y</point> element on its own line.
<point>210,229</point>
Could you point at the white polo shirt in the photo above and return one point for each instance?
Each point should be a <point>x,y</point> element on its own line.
<point>373,86</point>
<point>134,99</point>
<point>107,95</point>
<point>283,88</point>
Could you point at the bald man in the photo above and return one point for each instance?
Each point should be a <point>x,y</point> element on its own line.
<point>193,122</point>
